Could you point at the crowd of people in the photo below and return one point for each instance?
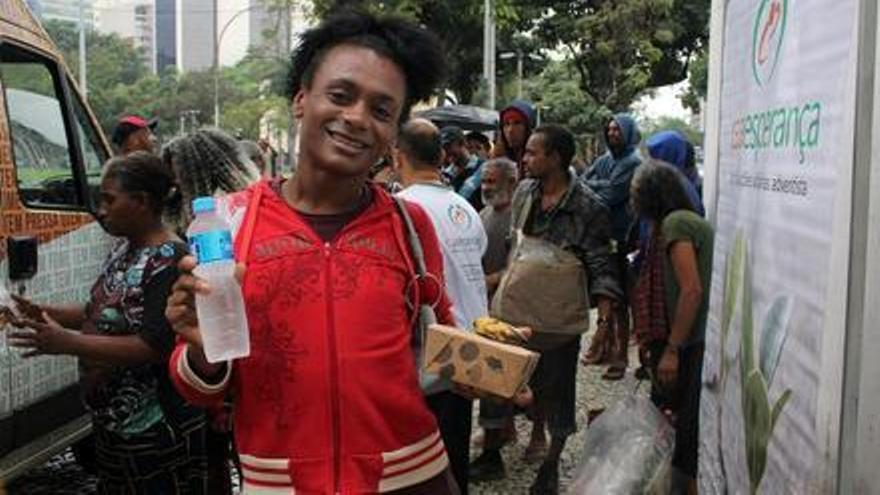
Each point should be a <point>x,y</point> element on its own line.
<point>331,398</point>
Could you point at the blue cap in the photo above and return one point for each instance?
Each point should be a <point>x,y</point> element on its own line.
<point>203,204</point>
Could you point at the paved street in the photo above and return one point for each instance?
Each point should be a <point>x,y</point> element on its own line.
<point>62,476</point>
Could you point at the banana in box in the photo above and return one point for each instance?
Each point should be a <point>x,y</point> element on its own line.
<point>471,359</point>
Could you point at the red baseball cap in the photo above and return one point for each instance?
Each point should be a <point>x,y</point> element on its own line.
<point>129,124</point>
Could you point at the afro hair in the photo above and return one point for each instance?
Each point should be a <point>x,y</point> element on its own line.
<point>417,51</point>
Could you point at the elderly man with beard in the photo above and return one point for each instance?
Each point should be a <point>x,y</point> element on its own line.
<point>498,184</point>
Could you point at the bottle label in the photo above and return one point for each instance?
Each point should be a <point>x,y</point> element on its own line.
<point>214,245</point>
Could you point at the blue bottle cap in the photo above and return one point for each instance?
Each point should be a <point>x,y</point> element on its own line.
<point>203,204</point>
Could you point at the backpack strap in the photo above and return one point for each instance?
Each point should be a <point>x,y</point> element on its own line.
<point>250,222</point>
<point>412,236</point>
<point>424,312</point>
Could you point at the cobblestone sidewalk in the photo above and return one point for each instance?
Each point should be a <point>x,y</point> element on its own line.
<point>593,393</point>
<point>62,476</point>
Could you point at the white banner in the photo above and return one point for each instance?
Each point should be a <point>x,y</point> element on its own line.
<point>787,72</point>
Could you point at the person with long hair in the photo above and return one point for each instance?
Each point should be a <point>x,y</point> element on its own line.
<point>210,162</point>
<point>671,304</point>
<point>206,162</point>
<point>148,439</point>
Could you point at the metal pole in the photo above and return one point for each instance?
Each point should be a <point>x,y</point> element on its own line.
<point>519,73</point>
<point>218,38</point>
<point>486,45</point>
<point>216,70</point>
<point>82,49</point>
<point>489,51</point>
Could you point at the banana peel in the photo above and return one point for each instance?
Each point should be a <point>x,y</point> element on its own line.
<point>500,331</point>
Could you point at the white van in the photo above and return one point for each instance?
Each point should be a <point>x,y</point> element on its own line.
<point>51,247</point>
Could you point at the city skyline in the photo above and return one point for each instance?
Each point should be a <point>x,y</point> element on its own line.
<point>182,33</point>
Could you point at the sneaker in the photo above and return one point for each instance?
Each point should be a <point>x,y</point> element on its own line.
<point>489,466</point>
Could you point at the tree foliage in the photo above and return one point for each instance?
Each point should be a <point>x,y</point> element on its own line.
<point>555,90</point>
<point>665,123</point>
<point>459,25</point>
<point>698,81</point>
<point>618,48</point>
<point>119,83</point>
<point>621,48</point>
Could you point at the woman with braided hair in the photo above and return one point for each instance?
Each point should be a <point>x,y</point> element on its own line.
<point>206,162</point>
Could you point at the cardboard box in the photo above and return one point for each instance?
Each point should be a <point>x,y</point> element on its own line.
<point>469,359</point>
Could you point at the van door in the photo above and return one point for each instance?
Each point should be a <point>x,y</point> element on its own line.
<point>51,154</point>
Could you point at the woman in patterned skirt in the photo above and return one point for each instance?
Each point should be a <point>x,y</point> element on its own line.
<point>148,440</point>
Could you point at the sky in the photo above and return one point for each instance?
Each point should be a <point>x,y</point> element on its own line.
<point>664,102</point>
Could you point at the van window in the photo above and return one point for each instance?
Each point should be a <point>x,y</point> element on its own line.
<point>93,152</point>
<point>40,145</point>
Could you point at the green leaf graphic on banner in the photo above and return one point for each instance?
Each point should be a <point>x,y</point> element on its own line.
<point>773,335</point>
<point>777,408</point>
<point>759,416</point>
<point>756,412</point>
<point>732,284</point>
<point>747,333</point>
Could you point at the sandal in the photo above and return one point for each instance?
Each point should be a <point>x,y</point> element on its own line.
<point>598,352</point>
<point>614,372</point>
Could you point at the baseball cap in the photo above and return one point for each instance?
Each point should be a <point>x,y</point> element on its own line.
<point>130,124</point>
<point>451,134</point>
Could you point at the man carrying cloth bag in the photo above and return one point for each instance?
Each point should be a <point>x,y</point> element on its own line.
<point>560,261</point>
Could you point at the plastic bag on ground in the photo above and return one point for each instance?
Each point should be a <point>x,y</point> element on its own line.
<point>628,451</point>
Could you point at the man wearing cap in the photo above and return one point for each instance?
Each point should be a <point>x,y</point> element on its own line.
<point>462,170</point>
<point>478,144</point>
<point>134,133</point>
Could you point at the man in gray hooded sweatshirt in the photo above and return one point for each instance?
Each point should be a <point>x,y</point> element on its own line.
<point>609,177</point>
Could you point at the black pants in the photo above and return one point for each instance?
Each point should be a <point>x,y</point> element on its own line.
<point>453,413</point>
<point>554,385</point>
<point>683,400</point>
<point>494,414</point>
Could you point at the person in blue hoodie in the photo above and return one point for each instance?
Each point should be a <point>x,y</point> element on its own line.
<point>673,148</point>
<point>609,177</point>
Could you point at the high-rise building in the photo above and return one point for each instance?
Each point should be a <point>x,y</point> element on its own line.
<point>166,34</point>
<point>196,30</point>
<point>133,20</point>
<point>65,10</point>
<point>178,33</point>
<point>250,25</point>
<point>181,33</point>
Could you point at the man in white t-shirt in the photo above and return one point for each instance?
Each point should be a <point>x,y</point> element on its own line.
<point>463,241</point>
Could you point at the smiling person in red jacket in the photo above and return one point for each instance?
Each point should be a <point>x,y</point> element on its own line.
<point>329,400</point>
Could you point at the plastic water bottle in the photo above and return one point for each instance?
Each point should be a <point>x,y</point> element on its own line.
<point>221,313</point>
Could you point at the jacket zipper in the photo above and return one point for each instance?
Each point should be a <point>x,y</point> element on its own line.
<point>334,367</point>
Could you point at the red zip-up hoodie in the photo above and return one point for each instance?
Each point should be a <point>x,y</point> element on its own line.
<point>328,400</point>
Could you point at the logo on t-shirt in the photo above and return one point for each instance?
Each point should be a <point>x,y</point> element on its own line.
<point>459,216</point>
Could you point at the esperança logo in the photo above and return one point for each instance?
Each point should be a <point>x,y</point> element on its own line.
<point>459,217</point>
<point>767,38</point>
